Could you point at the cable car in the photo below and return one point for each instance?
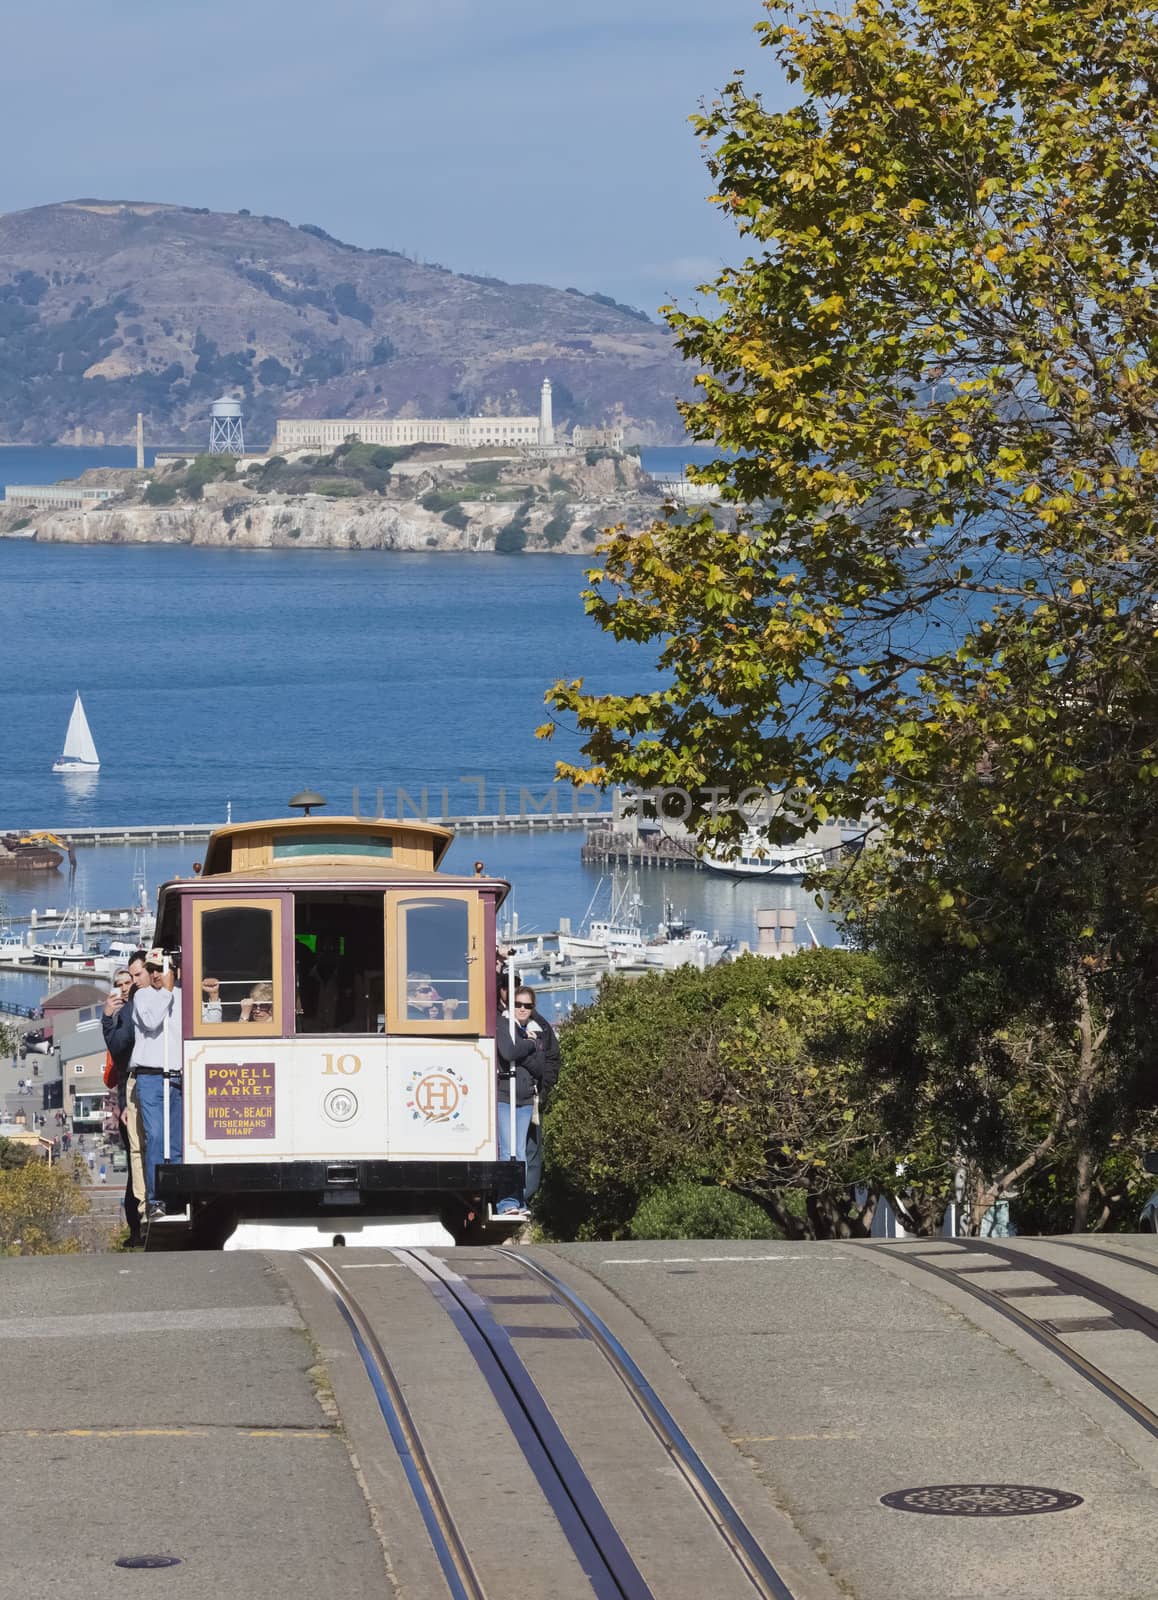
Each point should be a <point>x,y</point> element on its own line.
<point>338,1013</point>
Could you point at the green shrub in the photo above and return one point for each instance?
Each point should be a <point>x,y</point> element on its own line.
<point>210,469</point>
<point>700,1211</point>
<point>37,1206</point>
<point>160,494</point>
<point>512,539</point>
<point>456,517</point>
<point>438,500</point>
<point>338,488</point>
<point>704,1078</point>
<point>484,471</point>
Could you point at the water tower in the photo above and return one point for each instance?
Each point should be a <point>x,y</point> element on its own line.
<point>225,435</point>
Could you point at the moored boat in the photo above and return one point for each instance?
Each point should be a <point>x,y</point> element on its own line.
<point>758,858</point>
<point>678,944</point>
<point>27,855</point>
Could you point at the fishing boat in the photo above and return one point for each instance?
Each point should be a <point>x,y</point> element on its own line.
<point>79,753</point>
<point>678,944</point>
<point>616,939</point>
<point>65,943</point>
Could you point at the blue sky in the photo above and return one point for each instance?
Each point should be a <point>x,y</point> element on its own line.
<point>546,142</point>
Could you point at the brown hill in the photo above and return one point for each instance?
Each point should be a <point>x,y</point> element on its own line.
<point>108,308</point>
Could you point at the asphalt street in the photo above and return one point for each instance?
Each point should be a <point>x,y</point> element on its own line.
<point>216,1409</point>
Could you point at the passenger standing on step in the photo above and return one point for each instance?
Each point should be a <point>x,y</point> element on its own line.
<point>539,1029</point>
<point>156,1063</point>
<point>117,1027</point>
<point>521,1057</point>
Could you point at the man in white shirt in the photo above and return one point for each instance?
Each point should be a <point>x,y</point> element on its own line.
<point>156,1066</point>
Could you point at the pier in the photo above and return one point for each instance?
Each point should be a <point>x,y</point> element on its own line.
<point>148,833</point>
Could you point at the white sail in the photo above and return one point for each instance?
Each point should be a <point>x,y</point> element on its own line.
<point>80,753</point>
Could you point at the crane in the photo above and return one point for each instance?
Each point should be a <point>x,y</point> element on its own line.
<point>42,834</point>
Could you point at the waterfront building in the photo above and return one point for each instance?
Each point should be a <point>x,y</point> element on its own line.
<point>57,496</point>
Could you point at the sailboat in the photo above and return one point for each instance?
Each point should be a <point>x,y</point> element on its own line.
<point>79,753</point>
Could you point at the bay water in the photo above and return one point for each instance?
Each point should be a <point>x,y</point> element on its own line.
<point>226,680</point>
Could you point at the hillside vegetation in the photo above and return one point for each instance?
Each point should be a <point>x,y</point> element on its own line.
<point>110,308</point>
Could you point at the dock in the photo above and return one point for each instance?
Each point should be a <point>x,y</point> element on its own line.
<point>605,847</point>
<point>521,821</point>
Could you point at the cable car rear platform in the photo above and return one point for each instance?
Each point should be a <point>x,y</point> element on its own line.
<point>333,1182</point>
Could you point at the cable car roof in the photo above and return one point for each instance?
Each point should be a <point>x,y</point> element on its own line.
<point>294,834</point>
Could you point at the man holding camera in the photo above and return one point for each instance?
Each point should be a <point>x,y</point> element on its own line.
<point>156,1067</point>
<point>117,1027</point>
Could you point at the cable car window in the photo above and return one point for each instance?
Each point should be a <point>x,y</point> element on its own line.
<point>339,965</point>
<point>287,847</point>
<point>436,965</point>
<point>236,967</point>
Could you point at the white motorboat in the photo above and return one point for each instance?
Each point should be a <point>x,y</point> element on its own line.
<point>13,949</point>
<point>757,858</point>
<point>79,753</point>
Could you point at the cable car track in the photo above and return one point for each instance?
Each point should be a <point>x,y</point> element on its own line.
<point>1126,1312</point>
<point>581,1515</point>
<point>1110,1255</point>
<point>457,1568</point>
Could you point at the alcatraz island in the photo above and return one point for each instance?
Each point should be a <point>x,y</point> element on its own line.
<point>484,483</point>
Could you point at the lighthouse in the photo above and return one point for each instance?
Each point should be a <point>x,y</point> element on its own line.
<point>546,422</point>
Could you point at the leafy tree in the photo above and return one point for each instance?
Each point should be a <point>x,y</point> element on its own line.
<point>1030,1059</point>
<point>937,368</point>
<point>37,1205</point>
<point>348,303</point>
<point>936,607</point>
<point>273,373</point>
<point>15,1155</point>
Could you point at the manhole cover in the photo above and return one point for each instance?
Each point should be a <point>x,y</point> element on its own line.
<point>147,1561</point>
<point>981,1500</point>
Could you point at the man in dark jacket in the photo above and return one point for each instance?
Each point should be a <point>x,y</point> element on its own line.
<point>521,1057</point>
<point>544,1035</point>
<point>117,1027</point>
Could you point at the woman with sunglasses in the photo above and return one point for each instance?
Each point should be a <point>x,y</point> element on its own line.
<point>521,1057</point>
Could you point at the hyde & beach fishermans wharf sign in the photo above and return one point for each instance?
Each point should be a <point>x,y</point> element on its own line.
<point>240,1102</point>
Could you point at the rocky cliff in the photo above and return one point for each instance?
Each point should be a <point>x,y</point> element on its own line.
<point>110,308</point>
<point>561,507</point>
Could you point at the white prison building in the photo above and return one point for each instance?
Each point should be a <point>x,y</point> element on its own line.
<point>469,433</point>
